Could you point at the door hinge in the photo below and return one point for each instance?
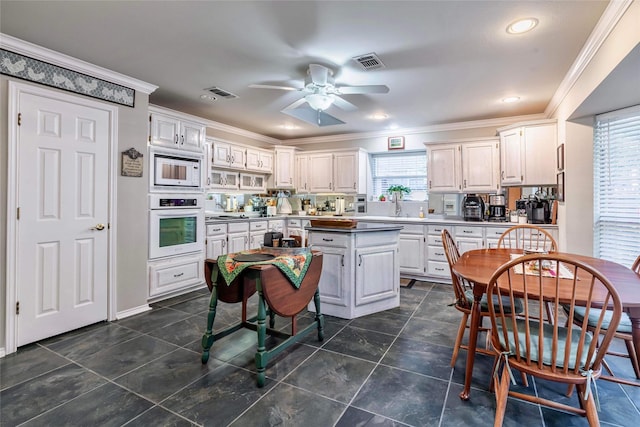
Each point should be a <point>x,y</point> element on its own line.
<point>18,213</point>
<point>19,119</point>
<point>17,307</point>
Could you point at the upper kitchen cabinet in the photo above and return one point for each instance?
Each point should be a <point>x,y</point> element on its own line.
<point>302,173</point>
<point>227,155</point>
<point>528,153</point>
<point>337,172</point>
<point>259,160</point>
<point>467,166</point>
<point>284,169</point>
<point>174,130</point>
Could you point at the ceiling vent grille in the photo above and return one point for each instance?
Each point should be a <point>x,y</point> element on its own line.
<point>221,93</point>
<point>370,61</point>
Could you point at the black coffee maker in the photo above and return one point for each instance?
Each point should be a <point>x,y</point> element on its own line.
<point>538,211</point>
<point>497,208</point>
<point>473,208</point>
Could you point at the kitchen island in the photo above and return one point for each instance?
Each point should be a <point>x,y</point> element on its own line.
<point>360,271</point>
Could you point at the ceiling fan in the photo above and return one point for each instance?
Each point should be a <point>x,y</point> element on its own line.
<point>321,93</point>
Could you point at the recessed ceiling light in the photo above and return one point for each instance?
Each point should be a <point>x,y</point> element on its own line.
<point>522,26</point>
<point>206,97</point>
<point>289,127</point>
<point>511,99</point>
<point>379,116</point>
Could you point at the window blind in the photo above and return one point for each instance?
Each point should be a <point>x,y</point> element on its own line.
<point>407,168</point>
<point>616,159</point>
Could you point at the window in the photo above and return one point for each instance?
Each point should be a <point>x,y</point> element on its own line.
<point>616,161</point>
<point>407,168</point>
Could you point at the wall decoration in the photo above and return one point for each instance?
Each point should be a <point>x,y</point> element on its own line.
<point>33,70</point>
<point>396,143</point>
<point>131,164</point>
<point>560,157</point>
<point>560,182</point>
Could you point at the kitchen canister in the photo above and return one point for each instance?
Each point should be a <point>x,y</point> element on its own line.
<point>513,216</point>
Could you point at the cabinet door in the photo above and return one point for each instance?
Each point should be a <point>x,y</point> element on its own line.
<point>266,162</point>
<point>237,157</point>
<point>253,159</point>
<point>284,168</point>
<point>320,172</point>
<point>468,243</point>
<point>165,130</point>
<point>332,284</point>
<point>246,181</point>
<point>221,155</point>
<point>216,246</point>
<point>256,240</point>
<point>412,257</point>
<point>444,168</point>
<point>511,157</point>
<point>302,173</point>
<point>259,183</point>
<point>377,274</point>
<point>480,166</point>
<point>238,242</point>
<point>207,164</point>
<point>231,180</point>
<point>540,155</point>
<point>345,172</point>
<point>191,136</point>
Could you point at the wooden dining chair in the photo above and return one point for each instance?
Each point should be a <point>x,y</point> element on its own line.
<point>623,331</point>
<point>463,291</point>
<point>548,350</point>
<point>527,236</point>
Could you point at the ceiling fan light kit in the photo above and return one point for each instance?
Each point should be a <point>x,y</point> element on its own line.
<point>320,94</point>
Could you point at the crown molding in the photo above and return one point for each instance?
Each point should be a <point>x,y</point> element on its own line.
<point>612,14</point>
<point>46,55</point>
<point>497,122</point>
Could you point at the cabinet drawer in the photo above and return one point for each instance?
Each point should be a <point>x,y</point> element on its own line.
<point>214,229</point>
<point>436,253</point>
<point>170,276</point>
<point>439,269</point>
<point>258,226</point>
<point>495,232</point>
<point>434,240</point>
<point>294,223</point>
<point>237,227</point>
<point>412,229</point>
<point>437,229</point>
<point>462,231</point>
<point>329,239</point>
<point>276,225</point>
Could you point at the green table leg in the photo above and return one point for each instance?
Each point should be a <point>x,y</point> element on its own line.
<point>319,317</point>
<point>207,338</point>
<point>261,354</point>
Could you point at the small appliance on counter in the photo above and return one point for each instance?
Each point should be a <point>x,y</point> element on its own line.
<point>497,208</point>
<point>473,208</point>
<point>538,211</point>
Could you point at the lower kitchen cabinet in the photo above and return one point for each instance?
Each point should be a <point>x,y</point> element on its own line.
<point>216,240</point>
<point>468,238</point>
<point>256,233</point>
<point>437,265</point>
<point>412,250</point>
<point>237,236</point>
<point>360,272</point>
<point>176,274</point>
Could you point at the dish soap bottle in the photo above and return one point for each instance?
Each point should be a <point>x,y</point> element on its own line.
<point>421,214</point>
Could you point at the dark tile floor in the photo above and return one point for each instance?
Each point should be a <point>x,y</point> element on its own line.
<point>387,369</point>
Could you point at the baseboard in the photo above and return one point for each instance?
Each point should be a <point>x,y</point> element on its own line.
<point>132,311</point>
<point>2,352</point>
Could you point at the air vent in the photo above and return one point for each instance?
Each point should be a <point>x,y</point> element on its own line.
<point>221,93</point>
<point>370,61</point>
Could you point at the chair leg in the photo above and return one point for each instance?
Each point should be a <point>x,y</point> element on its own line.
<point>456,346</point>
<point>502,393</point>
<point>591,412</point>
<point>550,316</point>
<point>632,355</point>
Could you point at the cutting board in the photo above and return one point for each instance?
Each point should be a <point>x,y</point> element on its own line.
<point>336,223</point>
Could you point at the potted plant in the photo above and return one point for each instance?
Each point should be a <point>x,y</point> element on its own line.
<point>399,191</point>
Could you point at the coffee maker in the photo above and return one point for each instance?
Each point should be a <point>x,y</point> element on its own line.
<point>497,208</point>
<point>538,211</point>
<point>473,208</point>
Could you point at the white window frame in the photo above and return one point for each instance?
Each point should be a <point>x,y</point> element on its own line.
<point>408,177</point>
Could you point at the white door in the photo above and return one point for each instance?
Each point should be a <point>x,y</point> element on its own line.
<point>62,231</point>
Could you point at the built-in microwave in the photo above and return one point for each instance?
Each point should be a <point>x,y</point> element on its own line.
<point>175,170</point>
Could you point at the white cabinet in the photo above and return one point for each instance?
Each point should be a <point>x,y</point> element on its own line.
<point>339,172</point>
<point>437,265</point>
<point>259,160</point>
<point>276,225</point>
<point>470,166</point>
<point>253,182</point>
<point>412,249</point>
<point>256,233</point>
<point>216,240</point>
<point>175,131</point>
<point>443,169</point>
<point>237,236</point>
<point>492,235</point>
<point>227,155</point>
<point>528,153</point>
<point>302,173</point>
<point>284,169</point>
<point>176,275</point>
<point>377,274</point>
<point>468,238</point>
<point>224,180</point>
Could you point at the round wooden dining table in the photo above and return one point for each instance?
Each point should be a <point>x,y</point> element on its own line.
<point>477,266</point>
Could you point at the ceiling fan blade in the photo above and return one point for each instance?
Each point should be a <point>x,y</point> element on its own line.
<point>347,90</point>
<point>317,118</point>
<point>319,74</point>
<point>296,104</point>
<point>274,87</point>
<point>344,104</point>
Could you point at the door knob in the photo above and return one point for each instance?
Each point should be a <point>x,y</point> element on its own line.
<point>98,227</point>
